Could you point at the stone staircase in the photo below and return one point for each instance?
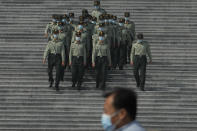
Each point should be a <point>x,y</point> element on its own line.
<point>27,104</point>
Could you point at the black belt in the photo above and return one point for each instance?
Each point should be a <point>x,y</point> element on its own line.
<point>140,55</point>
<point>101,56</point>
<point>55,54</point>
<point>77,56</point>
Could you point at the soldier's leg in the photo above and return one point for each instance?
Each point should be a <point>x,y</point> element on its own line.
<point>103,73</point>
<point>121,57</point>
<point>113,57</point>
<point>129,53</point>
<point>81,70</point>
<point>58,65</point>
<point>62,73</point>
<point>50,69</point>
<point>98,72</point>
<point>125,52</point>
<point>142,72</point>
<point>74,71</point>
<point>116,57</point>
<point>136,70</point>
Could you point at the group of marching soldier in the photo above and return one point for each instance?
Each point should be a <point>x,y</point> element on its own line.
<point>99,41</point>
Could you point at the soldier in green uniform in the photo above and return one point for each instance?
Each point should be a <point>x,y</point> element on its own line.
<point>49,27</point>
<point>73,25</point>
<point>130,26</point>
<point>116,44</point>
<point>140,49</point>
<point>98,10</point>
<point>77,59</point>
<point>62,38</point>
<point>110,32</point>
<point>124,40</point>
<point>80,28</point>
<point>101,59</point>
<point>68,30</point>
<point>56,57</point>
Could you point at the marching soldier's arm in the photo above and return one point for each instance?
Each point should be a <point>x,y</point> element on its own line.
<point>63,53</point>
<point>149,52</point>
<point>70,54</point>
<point>132,53</point>
<point>133,31</point>
<point>46,29</point>
<point>109,56</point>
<point>46,52</point>
<point>93,56</point>
<point>84,55</point>
<point>93,41</point>
<point>73,37</point>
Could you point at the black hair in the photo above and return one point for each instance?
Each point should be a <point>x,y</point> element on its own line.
<point>140,36</point>
<point>124,99</point>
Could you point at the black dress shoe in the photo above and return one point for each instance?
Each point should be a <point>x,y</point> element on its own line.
<point>73,85</point>
<point>97,85</point>
<point>57,88</point>
<point>62,79</point>
<point>51,84</point>
<point>79,86</point>
<point>120,68</point>
<point>142,88</point>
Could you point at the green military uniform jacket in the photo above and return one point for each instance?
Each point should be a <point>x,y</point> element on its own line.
<point>141,48</point>
<point>131,28</point>
<point>101,49</point>
<point>49,29</point>
<point>117,34</point>
<point>77,49</point>
<point>124,36</point>
<point>55,47</point>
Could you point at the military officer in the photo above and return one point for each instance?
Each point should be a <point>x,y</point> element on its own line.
<point>116,44</point>
<point>49,27</point>
<point>124,40</point>
<point>77,60</point>
<point>68,30</point>
<point>98,10</point>
<point>140,49</point>
<point>56,57</point>
<point>130,26</point>
<point>101,59</point>
<point>62,37</point>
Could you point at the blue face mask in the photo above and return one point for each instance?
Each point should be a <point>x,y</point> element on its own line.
<point>106,21</point>
<point>110,20</point>
<point>71,19</point>
<point>106,122</point>
<point>54,20</point>
<point>126,19</point>
<point>77,38</point>
<point>60,28</point>
<point>55,36</point>
<point>113,21</point>
<point>80,27</point>
<point>100,29</point>
<point>121,24</point>
<point>101,38</point>
<point>139,41</point>
<point>96,7</point>
<point>64,20</point>
<point>93,22</point>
